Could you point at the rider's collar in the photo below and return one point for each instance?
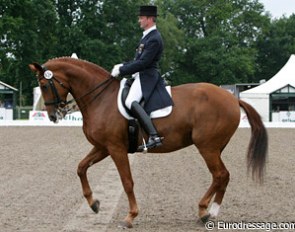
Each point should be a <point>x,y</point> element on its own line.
<point>149,30</point>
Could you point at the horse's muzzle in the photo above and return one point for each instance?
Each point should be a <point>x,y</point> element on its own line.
<point>53,118</point>
<point>57,115</point>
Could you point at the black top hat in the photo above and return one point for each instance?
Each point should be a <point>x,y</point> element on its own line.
<point>148,11</point>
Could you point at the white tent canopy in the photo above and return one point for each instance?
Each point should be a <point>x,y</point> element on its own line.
<point>259,97</point>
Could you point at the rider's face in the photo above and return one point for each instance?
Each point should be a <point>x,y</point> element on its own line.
<point>144,22</point>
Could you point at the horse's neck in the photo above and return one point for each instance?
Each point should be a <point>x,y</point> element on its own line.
<point>83,79</point>
<point>88,90</point>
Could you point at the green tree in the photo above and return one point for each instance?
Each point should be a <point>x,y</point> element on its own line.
<point>173,39</point>
<point>104,32</point>
<point>219,39</point>
<point>275,46</point>
<point>221,42</point>
<point>27,33</point>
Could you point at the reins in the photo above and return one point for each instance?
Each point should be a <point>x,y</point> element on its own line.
<point>105,83</point>
<point>59,103</point>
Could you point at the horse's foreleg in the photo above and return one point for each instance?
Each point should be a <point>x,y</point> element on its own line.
<point>220,177</point>
<point>122,163</point>
<point>93,157</point>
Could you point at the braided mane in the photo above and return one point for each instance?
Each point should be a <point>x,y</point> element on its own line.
<point>79,62</point>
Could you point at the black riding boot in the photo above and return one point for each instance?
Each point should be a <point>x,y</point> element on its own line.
<point>148,126</point>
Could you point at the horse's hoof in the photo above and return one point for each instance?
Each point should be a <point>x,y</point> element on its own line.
<point>95,206</point>
<point>125,225</point>
<point>205,218</point>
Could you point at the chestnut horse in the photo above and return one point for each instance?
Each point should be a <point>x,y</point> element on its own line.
<point>203,114</point>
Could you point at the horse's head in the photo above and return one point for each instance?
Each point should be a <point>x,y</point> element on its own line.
<point>54,89</point>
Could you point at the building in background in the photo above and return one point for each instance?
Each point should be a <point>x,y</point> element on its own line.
<point>7,101</point>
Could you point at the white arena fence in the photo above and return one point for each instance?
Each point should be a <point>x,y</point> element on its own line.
<point>40,118</point>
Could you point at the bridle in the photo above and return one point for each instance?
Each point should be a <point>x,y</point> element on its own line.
<point>62,105</point>
<point>51,79</point>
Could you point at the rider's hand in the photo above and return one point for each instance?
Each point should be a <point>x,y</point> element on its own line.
<point>116,70</point>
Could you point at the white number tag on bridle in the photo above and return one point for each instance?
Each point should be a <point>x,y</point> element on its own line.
<point>48,74</point>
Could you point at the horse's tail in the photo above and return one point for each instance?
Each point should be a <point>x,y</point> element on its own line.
<point>257,150</point>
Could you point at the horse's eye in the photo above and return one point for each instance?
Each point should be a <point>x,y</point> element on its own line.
<point>44,87</point>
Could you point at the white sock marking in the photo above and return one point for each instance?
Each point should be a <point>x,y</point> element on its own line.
<point>214,210</point>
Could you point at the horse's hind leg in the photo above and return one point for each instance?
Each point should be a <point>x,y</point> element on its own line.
<point>93,157</point>
<point>220,181</point>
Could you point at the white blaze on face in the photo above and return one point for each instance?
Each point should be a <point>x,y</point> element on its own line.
<point>214,210</point>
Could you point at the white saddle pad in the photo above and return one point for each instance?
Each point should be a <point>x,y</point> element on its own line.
<point>155,114</point>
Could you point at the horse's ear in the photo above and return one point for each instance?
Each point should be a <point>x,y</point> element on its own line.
<point>35,67</point>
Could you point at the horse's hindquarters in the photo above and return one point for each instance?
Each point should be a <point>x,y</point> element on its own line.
<point>203,114</point>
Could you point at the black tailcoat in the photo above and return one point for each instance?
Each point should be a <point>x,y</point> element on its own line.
<point>145,62</point>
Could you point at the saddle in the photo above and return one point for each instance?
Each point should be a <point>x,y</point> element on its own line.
<point>123,92</point>
<point>133,124</point>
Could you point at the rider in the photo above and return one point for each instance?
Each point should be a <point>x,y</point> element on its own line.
<point>148,83</point>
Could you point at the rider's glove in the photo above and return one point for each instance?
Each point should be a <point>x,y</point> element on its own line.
<point>116,70</point>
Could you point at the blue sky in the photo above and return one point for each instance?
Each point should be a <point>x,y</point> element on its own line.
<point>278,8</point>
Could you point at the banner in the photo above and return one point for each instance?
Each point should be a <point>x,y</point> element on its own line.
<point>42,116</point>
<point>6,114</point>
<point>283,116</point>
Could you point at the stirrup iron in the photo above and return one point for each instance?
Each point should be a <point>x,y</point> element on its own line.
<point>153,142</point>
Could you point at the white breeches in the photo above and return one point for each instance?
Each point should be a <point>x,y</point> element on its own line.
<point>135,92</point>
